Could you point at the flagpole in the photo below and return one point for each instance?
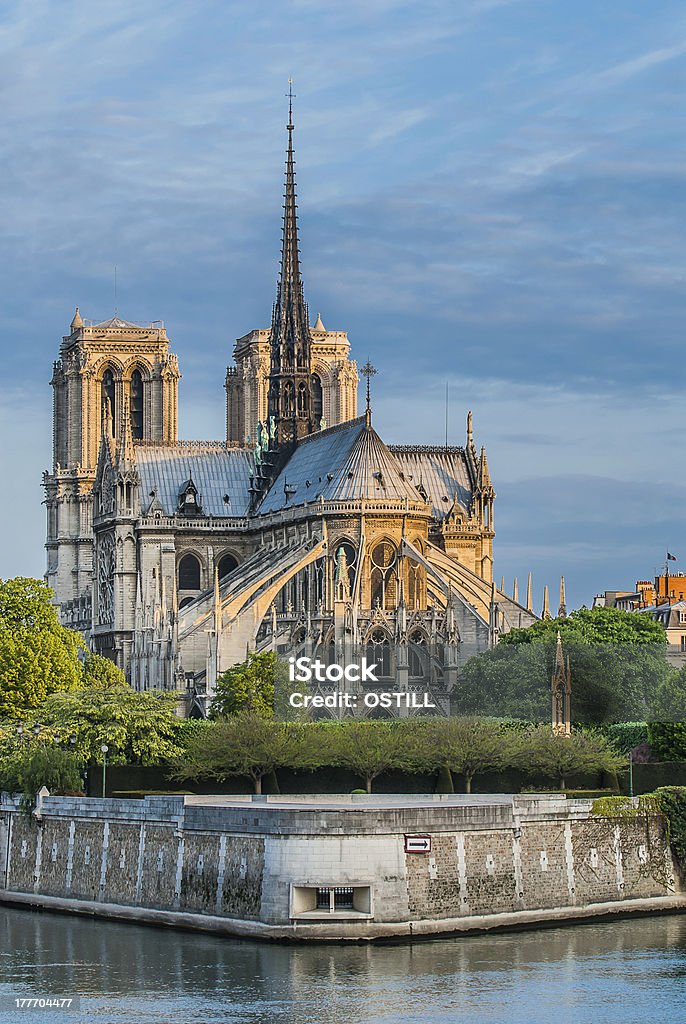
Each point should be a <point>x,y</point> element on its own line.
<point>667,577</point>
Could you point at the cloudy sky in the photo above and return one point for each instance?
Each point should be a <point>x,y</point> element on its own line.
<point>491,194</point>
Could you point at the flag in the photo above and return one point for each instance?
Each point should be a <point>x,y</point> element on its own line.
<point>671,558</point>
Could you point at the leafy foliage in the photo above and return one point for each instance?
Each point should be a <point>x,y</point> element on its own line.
<point>472,745</point>
<point>27,769</point>
<point>673,805</point>
<point>38,656</point>
<point>250,686</point>
<point>668,740</point>
<point>102,674</point>
<point>618,661</point>
<point>626,736</point>
<point>561,756</point>
<point>249,745</point>
<point>138,728</point>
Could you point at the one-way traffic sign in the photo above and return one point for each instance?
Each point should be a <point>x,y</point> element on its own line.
<point>418,844</point>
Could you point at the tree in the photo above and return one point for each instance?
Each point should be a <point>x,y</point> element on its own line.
<point>28,769</point>
<point>618,662</point>
<point>469,746</point>
<point>38,656</point>
<point>138,728</point>
<point>371,748</point>
<point>246,744</point>
<point>544,753</point>
<point>102,674</point>
<point>250,686</point>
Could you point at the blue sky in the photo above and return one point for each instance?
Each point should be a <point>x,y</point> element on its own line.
<point>491,193</point>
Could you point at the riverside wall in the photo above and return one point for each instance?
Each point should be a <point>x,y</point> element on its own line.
<point>335,869</point>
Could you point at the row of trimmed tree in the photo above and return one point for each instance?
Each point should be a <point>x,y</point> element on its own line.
<point>250,746</point>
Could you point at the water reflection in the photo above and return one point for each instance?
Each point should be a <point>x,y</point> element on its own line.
<point>617,972</point>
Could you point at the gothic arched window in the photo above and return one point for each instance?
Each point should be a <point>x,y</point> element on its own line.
<point>414,585</point>
<point>227,563</point>
<point>383,576</point>
<point>317,398</point>
<point>189,573</point>
<point>379,652</point>
<point>137,404</point>
<point>418,659</point>
<point>108,392</point>
<point>302,400</point>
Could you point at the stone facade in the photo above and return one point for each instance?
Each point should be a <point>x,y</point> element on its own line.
<point>268,868</point>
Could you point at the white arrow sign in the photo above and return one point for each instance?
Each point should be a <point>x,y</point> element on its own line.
<point>418,844</point>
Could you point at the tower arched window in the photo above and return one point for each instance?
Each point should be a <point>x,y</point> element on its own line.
<point>317,398</point>
<point>227,563</point>
<point>108,392</point>
<point>137,404</point>
<point>189,573</point>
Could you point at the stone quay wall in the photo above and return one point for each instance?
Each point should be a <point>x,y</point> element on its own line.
<point>328,868</point>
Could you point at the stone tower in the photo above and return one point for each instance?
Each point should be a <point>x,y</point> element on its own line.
<point>116,364</point>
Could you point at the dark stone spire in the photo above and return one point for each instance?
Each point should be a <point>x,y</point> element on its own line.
<point>290,377</point>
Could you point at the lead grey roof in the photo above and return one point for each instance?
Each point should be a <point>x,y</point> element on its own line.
<point>214,469</point>
<point>116,321</point>
<point>441,472</point>
<point>344,463</point>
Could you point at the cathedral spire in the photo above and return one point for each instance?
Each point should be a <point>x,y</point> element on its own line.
<point>562,610</point>
<point>290,378</point>
<point>529,595</point>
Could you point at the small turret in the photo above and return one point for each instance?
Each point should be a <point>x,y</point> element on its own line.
<point>77,321</point>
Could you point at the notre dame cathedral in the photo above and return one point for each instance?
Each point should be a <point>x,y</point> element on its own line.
<point>302,532</point>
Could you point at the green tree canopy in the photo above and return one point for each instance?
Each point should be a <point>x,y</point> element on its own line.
<point>27,769</point>
<point>618,664</point>
<point>38,656</point>
<point>472,745</point>
<point>250,686</point>
<point>138,728</point>
<point>247,745</point>
<point>371,748</point>
<point>558,757</point>
<point>102,674</point>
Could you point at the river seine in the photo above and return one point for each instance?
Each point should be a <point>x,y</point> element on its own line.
<point>615,973</point>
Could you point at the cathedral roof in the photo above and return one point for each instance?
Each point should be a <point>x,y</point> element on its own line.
<point>441,473</point>
<point>216,471</point>
<point>345,463</point>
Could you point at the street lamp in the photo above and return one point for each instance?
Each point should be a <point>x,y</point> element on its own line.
<point>104,749</point>
<point>20,732</point>
<point>72,740</point>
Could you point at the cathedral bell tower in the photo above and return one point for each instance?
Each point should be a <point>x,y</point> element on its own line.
<point>121,366</point>
<point>290,397</point>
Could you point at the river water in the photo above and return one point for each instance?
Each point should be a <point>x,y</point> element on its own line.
<point>613,973</point>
